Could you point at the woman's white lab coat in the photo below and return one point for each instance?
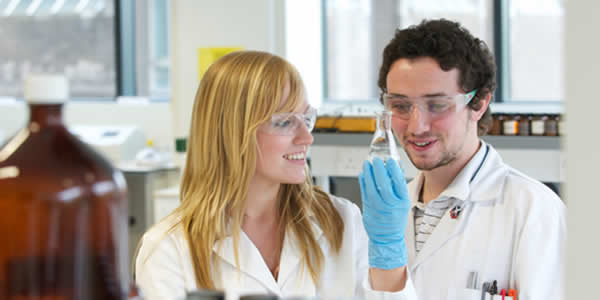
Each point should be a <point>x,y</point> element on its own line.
<point>164,267</point>
<point>512,229</point>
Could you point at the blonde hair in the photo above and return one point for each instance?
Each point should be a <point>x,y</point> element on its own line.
<point>237,94</point>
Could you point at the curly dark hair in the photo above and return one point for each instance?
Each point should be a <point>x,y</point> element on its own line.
<point>452,46</point>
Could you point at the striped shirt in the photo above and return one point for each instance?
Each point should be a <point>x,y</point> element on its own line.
<point>428,217</point>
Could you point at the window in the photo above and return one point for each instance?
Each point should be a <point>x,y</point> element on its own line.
<point>77,38</point>
<point>152,49</point>
<point>64,36</point>
<point>536,50</point>
<point>529,47</point>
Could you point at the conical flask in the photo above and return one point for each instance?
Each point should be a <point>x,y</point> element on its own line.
<point>63,209</point>
<point>383,144</point>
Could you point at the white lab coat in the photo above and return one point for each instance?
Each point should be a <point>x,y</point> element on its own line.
<point>164,267</point>
<point>512,229</point>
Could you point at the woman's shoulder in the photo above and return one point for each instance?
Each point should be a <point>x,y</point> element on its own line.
<point>167,227</point>
<point>165,238</point>
<point>345,207</point>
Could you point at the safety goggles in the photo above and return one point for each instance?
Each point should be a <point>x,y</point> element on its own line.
<point>289,123</point>
<point>435,107</point>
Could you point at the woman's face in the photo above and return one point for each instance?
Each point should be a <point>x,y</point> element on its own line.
<point>283,142</point>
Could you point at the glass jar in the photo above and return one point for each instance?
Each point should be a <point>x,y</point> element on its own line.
<point>551,128</point>
<point>63,209</point>
<point>538,125</point>
<point>525,125</point>
<point>510,126</point>
<point>496,124</point>
<point>562,128</point>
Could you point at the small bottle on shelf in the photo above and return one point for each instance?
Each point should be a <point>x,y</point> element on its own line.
<point>538,125</point>
<point>511,125</point>
<point>497,120</point>
<point>551,127</point>
<point>525,125</point>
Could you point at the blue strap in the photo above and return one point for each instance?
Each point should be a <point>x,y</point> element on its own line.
<point>487,150</point>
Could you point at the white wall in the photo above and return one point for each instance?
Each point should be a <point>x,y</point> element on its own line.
<point>154,119</point>
<point>253,25</point>
<point>303,45</point>
<point>582,145</point>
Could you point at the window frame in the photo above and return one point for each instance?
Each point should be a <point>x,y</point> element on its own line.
<point>502,100</point>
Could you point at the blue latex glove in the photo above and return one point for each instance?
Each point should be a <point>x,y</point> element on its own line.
<point>385,212</point>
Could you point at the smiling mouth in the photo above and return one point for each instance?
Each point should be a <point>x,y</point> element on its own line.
<point>295,156</point>
<point>423,144</point>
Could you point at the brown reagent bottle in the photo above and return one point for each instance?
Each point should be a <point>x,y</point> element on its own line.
<point>63,209</point>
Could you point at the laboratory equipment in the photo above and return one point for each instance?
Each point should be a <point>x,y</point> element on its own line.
<point>63,209</point>
<point>383,144</point>
<point>347,118</point>
<point>117,143</point>
<point>345,124</point>
<point>142,185</point>
<point>150,156</point>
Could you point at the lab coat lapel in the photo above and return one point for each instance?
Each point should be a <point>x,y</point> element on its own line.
<point>251,261</point>
<point>289,261</point>
<point>413,192</point>
<point>460,188</point>
<point>445,231</point>
<point>291,258</point>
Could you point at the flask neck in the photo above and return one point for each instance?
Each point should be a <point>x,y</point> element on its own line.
<point>46,114</point>
<point>384,121</point>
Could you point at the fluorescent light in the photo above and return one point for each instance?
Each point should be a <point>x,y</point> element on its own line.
<point>81,5</point>
<point>58,4</point>
<point>10,8</point>
<point>33,7</point>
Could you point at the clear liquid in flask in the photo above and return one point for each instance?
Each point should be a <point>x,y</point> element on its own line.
<point>383,144</point>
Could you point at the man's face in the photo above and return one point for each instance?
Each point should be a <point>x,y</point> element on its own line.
<point>430,142</point>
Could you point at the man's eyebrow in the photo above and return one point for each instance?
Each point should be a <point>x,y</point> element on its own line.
<point>398,95</point>
<point>431,95</point>
<point>441,94</point>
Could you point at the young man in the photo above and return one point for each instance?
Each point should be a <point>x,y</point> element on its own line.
<point>472,216</point>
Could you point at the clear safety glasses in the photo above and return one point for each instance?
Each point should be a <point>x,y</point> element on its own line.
<point>289,123</point>
<point>435,107</point>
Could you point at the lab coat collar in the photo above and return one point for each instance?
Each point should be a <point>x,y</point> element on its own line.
<point>252,263</point>
<point>250,260</point>
<point>462,188</point>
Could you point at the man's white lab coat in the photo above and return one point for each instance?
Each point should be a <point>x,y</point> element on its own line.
<point>511,229</point>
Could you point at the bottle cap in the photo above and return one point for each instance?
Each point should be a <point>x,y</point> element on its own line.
<point>46,89</point>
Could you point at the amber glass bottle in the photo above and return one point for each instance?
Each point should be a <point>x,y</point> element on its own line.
<point>63,209</point>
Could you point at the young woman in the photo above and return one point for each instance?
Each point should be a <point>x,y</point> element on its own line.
<point>250,220</point>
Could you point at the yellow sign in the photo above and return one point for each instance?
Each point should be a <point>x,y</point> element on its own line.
<point>207,56</point>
